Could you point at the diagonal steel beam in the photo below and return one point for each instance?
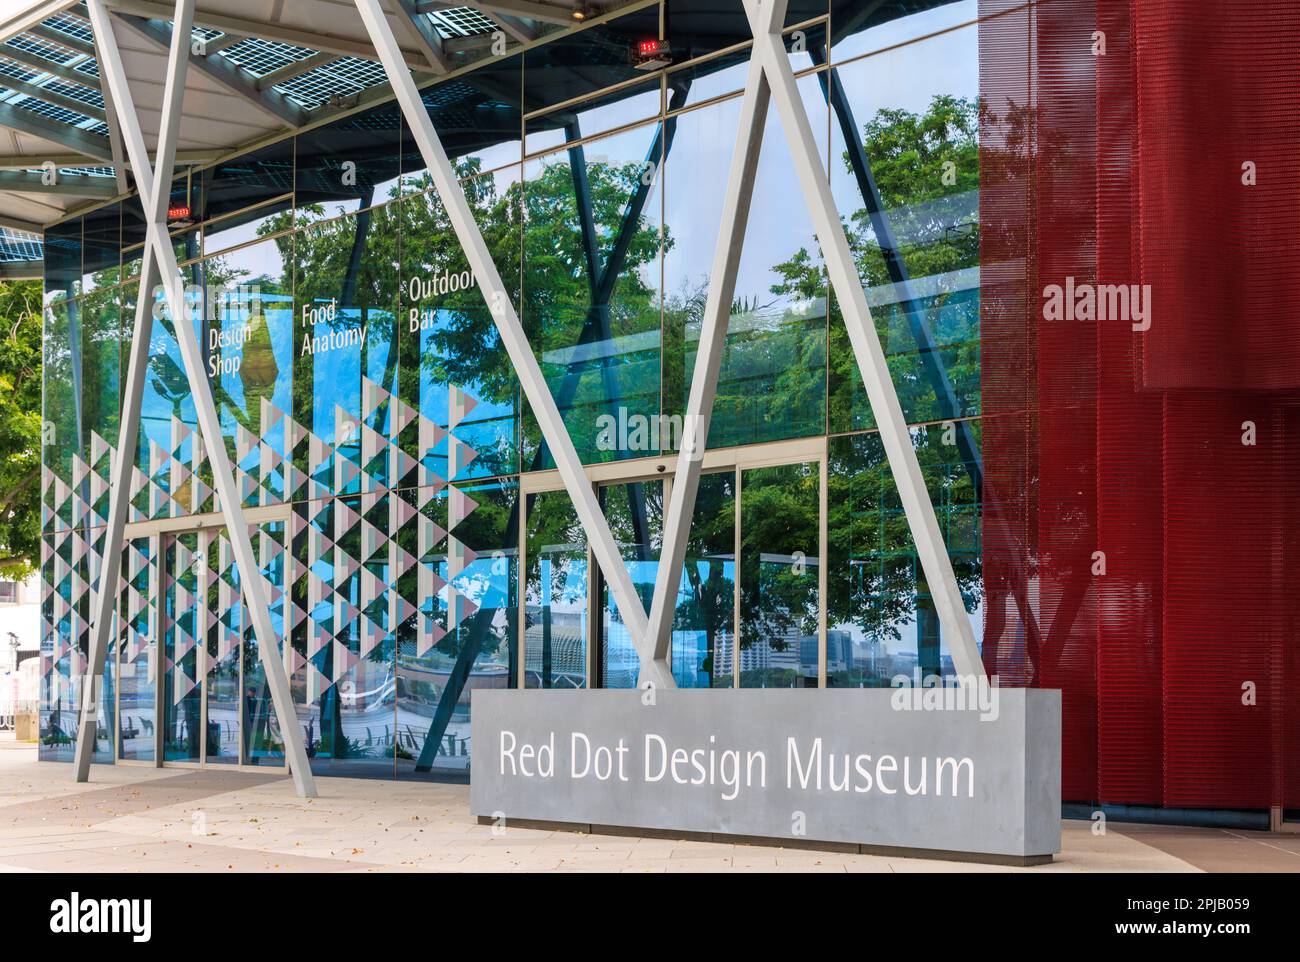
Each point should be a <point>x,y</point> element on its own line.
<point>115,142</point>
<point>104,595</point>
<point>154,184</point>
<point>708,358</point>
<point>229,74</point>
<point>870,356</point>
<point>514,339</point>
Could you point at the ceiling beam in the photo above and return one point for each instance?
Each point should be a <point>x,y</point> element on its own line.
<point>230,75</point>
<point>218,44</point>
<point>13,22</point>
<point>50,97</point>
<point>266,30</point>
<point>295,69</point>
<point>17,223</point>
<point>423,32</point>
<point>62,71</point>
<point>75,139</point>
<point>74,185</point>
<point>183,157</point>
<point>61,39</point>
<point>513,26</point>
<point>22,270</point>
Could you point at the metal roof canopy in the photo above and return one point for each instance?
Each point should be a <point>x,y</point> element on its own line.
<point>265,69</point>
<point>262,68</point>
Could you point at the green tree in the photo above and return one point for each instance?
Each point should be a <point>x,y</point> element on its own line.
<point>20,427</point>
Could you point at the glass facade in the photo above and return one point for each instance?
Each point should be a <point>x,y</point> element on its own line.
<point>406,512</point>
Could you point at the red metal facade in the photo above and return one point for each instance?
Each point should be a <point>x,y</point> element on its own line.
<point>1140,542</point>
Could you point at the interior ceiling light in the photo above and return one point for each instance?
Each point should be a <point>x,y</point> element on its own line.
<point>581,11</point>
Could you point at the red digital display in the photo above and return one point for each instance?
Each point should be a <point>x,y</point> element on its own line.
<point>178,213</point>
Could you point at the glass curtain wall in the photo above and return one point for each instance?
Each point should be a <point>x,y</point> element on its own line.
<point>362,386</point>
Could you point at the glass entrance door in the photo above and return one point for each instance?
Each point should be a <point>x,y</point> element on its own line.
<point>214,705</point>
<point>635,512</point>
<point>763,505</point>
<point>780,565</point>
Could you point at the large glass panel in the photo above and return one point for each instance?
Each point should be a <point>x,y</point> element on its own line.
<point>59,706</point>
<point>348,165</point>
<point>63,260</point>
<point>102,252</point>
<point>859,28</point>
<point>635,513</point>
<point>138,662</point>
<point>221,666</point>
<point>772,383</point>
<point>478,117</point>
<point>98,376</point>
<point>245,193</point>
<point>344,643</point>
<point>460,592</point>
<point>591,290</point>
<point>588,60</point>
<point>555,594</point>
<point>638,100</point>
<point>905,175</point>
<point>345,301</point>
<point>262,740</point>
<point>704,623</point>
<point>168,452</point>
<point>182,690</point>
<point>452,363</point>
<point>248,338</point>
<point>882,618</point>
<point>779,558</point>
<point>69,557</point>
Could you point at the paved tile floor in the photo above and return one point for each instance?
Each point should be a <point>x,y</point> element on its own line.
<point>130,819</point>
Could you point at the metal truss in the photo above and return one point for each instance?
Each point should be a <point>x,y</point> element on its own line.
<point>159,268</point>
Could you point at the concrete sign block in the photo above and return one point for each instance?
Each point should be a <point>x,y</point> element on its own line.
<point>909,768</point>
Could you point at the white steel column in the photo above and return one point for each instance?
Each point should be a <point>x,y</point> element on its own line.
<point>770,63</point>
<point>103,601</point>
<point>708,358</point>
<point>516,343</point>
<point>154,185</point>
